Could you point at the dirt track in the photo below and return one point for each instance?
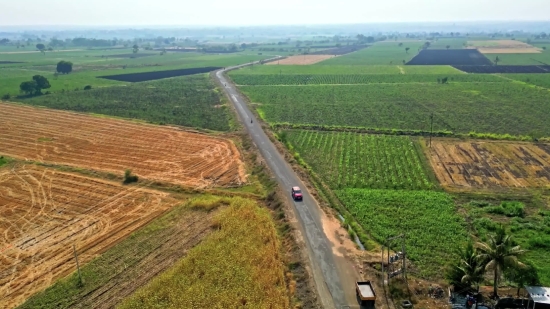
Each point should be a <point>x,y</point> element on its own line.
<point>492,165</point>
<point>44,212</point>
<point>152,152</point>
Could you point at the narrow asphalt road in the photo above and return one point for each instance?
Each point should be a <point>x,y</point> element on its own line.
<point>325,272</point>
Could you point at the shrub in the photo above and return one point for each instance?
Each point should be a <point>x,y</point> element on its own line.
<point>7,96</point>
<point>129,178</point>
<point>87,87</point>
<point>539,242</point>
<point>508,209</point>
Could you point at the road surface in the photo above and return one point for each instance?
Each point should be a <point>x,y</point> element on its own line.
<point>325,272</point>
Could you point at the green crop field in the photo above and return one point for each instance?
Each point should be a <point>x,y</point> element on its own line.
<point>522,59</point>
<point>275,69</point>
<point>361,160</point>
<point>350,79</point>
<point>541,80</point>
<point>88,64</point>
<point>459,107</point>
<point>187,101</point>
<point>380,53</point>
<point>433,228</point>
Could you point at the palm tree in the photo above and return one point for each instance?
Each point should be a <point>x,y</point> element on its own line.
<point>498,254</point>
<point>471,267</point>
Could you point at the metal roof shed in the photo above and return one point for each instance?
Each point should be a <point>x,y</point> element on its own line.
<point>539,297</point>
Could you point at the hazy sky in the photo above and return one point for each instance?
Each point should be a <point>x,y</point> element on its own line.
<point>252,12</point>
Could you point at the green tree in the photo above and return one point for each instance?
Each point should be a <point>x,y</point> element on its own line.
<point>499,253</point>
<point>407,50</point>
<point>28,87</point>
<point>467,271</point>
<point>41,83</point>
<point>41,47</point>
<point>497,60</point>
<point>135,48</point>
<point>522,276</point>
<point>448,46</point>
<point>64,67</point>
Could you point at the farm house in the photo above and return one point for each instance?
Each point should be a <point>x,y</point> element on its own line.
<point>539,297</point>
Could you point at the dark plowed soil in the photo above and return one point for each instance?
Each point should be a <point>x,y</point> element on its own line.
<point>145,76</point>
<point>450,57</point>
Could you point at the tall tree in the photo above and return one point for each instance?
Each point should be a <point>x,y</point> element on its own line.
<point>448,46</point>
<point>471,267</point>
<point>498,254</point>
<point>135,48</point>
<point>523,276</point>
<point>28,87</point>
<point>407,50</point>
<point>41,47</point>
<point>64,67</point>
<point>497,60</point>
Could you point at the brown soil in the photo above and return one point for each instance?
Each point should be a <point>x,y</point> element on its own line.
<point>152,152</point>
<point>301,60</point>
<point>491,165</point>
<point>44,212</point>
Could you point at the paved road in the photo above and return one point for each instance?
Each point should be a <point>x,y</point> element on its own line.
<point>325,272</point>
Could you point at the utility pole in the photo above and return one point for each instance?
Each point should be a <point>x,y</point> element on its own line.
<point>431,127</point>
<point>77,266</point>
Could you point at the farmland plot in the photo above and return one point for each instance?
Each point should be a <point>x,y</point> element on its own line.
<point>110,145</point>
<point>361,160</point>
<point>490,165</point>
<point>44,212</point>
<point>433,229</point>
<point>503,108</point>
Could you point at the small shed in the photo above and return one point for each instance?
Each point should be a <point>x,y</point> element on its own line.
<point>539,297</point>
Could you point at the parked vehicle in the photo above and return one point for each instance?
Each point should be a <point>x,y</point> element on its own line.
<point>365,294</point>
<point>296,193</point>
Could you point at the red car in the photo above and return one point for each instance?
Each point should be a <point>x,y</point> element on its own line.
<point>296,193</point>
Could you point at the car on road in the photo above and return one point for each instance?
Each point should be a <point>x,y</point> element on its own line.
<point>296,193</point>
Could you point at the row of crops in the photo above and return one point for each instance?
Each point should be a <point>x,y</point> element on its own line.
<point>460,107</point>
<point>433,228</point>
<point>353,160</point>
<point>343,79</point>
<point>187,101</point>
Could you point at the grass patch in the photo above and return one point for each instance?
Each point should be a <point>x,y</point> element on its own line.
<point>239,265</point>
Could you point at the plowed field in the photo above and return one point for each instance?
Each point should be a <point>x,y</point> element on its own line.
<point>151,152</point>
<point>301,60</point>
<point>483,164</point>
<point>44,212</point>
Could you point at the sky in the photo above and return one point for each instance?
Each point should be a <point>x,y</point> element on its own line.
<point>253,12</point>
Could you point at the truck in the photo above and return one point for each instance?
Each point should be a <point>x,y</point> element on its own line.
<point>365,294</point>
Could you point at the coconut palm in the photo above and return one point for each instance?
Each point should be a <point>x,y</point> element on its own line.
<point>471,267</point>
<point>498,254</point>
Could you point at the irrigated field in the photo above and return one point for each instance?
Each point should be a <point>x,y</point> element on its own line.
<point>350,160</point>
<point>484,107</point>
<point>44,212</point>
<point>492,165</point>
<point>110,145</point>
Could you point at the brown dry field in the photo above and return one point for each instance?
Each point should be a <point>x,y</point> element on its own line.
<point>489,164</point>
<point>301,60</point>
<point>44,212</point>
<point>152,152</point>
<point>504,47</point>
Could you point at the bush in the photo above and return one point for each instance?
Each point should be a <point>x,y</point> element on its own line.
<point>508,209</point>
<point>88,87</point>
<point>129,178</point>
<point>6,97</point>
<point>539,242</point>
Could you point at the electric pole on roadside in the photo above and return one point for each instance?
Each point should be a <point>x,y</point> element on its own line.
<point>77,266</point>
<point>393,268</point>
<point>431,127</point>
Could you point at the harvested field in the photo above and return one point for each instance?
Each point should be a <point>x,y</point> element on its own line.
<point>44,212</point>
<point>490,165</point>
<point>145,76</point>
<point>449,57</point>
<point>302,60</point>
<point>492,69</point>
<point>503,47</point>
<point>152,152</point>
